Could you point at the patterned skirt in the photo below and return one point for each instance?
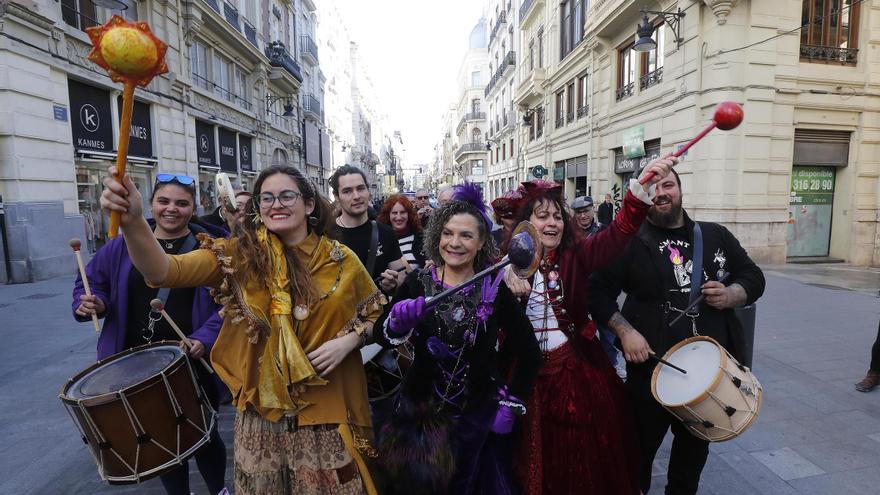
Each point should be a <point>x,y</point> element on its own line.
<point>285,459</point>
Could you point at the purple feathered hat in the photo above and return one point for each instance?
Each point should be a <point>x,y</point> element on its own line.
<point>472,193</point>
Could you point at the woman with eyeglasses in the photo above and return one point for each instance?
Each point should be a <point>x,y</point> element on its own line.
<point>297,306</point>
<point>121,296</point>
<point>400,214</point>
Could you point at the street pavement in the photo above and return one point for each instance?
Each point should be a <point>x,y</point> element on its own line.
<point>815,433</point>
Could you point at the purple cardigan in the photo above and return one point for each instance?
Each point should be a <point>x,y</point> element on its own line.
<point>108,273</point>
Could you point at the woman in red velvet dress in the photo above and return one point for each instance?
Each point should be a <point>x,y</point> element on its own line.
<point>577,436</point>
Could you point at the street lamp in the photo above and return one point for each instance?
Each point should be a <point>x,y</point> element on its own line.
<point>288,106</point>
<point>645,31</point>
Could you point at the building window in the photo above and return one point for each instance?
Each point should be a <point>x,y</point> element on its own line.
<point>503,151</point>
<point>83,14</point>
<point>241,88</point>
<point>571,25</point>
<point>831,31</point>
<point>541,48</point>
<point>531,55</point>
<point>475,78</point>
<point>652,62</point>
<point>569,103</point>
<point>198,56</point>
<point>222,77</point>
<point>539,124</point>
<point>475,106</point>
<point>582,96</point>
<point>626,71</point>
<point>560,110</point>
<point>475,135</point>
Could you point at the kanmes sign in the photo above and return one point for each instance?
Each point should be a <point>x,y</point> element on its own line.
<point>91,127</point>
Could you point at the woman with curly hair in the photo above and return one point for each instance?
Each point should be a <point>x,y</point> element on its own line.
<point>447,432</point>
<point>401,215</point>
<point>297,307</point>
<point>578,435</point>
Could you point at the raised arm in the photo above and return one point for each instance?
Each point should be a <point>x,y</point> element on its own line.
<point>143,248</point>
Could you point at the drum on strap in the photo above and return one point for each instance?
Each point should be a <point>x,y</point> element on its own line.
<point>718,399</point>
<point>141,412</point>
<point>385,369</point>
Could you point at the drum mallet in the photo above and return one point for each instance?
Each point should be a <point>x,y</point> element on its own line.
<point>666,363</point>
<point>157,305</point>
<point>76,244</point>
<point>728,115</point>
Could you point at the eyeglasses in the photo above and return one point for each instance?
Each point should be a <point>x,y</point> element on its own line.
<point>183,180</point>
<point>286,198</point>
<point>421,197</point>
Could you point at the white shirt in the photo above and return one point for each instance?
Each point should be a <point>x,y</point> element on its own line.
<point>535,311</point>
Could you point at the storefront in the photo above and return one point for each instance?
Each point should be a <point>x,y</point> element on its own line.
<point>94,128</point>
<point>220,149</point>
<point>818,155</point>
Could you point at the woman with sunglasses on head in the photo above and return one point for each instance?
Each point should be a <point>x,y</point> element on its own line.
<point>121,296</point>
<point>578,434</point>
<point>399,213</point>
<point>297,306</point>
<point>448,430</point>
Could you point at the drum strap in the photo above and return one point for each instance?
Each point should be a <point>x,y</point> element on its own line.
<point>374,244</point>
<point>697,267</point>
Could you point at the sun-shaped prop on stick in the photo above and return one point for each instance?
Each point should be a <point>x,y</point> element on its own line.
<point>129,51</point>
<point>132,55</point>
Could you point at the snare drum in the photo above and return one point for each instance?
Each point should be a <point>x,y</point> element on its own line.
<point>141,412</point>
<point>718,399</point>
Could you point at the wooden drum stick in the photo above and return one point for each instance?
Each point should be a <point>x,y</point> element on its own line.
<point>76,244</point>
<point>157,305</point>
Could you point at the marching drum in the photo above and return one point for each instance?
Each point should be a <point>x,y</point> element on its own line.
<point>385,369</point>
<point>141,412</point>
<point>718,399</point>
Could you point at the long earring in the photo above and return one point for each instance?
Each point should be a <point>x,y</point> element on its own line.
<point>255,217</point>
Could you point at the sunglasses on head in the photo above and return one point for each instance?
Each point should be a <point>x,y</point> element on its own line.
<point>183,180</point>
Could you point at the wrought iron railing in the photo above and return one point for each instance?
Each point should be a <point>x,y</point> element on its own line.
<point>214,5</point>
<point>508,61</point>
<point>250,33</point>
<point>524,9</point>
<point>502,19</point>
<point>307,46</point>
<point>651,78</point>
<point>471,148</point>
<point>311,104</point>
<point>231,14</point>
<point>583,111</point>
<point>830,54</point>
<point>560,122</point>
<point>625,91</point>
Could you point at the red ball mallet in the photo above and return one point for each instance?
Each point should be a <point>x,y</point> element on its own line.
<point>76,244</point>
<point>728,115</point>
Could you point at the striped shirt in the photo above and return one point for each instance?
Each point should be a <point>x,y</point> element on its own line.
<point>406,248</point>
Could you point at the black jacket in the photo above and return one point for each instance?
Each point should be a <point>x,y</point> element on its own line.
<point>605,213</point>
<point>638,273</point>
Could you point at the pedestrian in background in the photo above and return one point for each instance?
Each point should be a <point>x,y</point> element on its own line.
<point>606,210</point>
<point>872,377</point>
<point>400,214</point>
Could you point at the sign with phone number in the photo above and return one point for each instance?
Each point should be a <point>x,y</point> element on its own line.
<point>812,186</point>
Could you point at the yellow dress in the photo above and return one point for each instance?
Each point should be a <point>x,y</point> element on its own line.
<point>249,344</point>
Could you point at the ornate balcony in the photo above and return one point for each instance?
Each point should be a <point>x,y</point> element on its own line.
<point>312,108</point>
<point>308,50</point>
<point>280,57</point>
<point>844,56</point>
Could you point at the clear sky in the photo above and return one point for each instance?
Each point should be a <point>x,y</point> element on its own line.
<point>413,49</point>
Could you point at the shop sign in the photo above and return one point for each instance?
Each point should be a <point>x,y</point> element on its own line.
<point>245,152</point>
<point>90,123</point>
<point>140,142</point>
<point>539,171</point>
<point>228,150</point>
<point>634,142</point>
<point>205,152</point>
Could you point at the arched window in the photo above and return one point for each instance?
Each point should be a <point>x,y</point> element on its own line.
<point>279,157</point>
<point>475,135</point>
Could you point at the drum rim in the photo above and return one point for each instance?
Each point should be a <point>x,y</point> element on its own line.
<point>103,398</point>
<point>722,363</point>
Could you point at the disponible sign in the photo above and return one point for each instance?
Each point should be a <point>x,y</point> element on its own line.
<point>90,124</point>
<point>634,142</point>
<point>812,186</point>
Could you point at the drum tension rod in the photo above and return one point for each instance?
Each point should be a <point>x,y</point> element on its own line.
<point>730,410</point>
<point>736,381</point>
<point>707,424</point>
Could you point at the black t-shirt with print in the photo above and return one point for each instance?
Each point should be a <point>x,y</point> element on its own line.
<point>676,251</point>
<point>358,240</point>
